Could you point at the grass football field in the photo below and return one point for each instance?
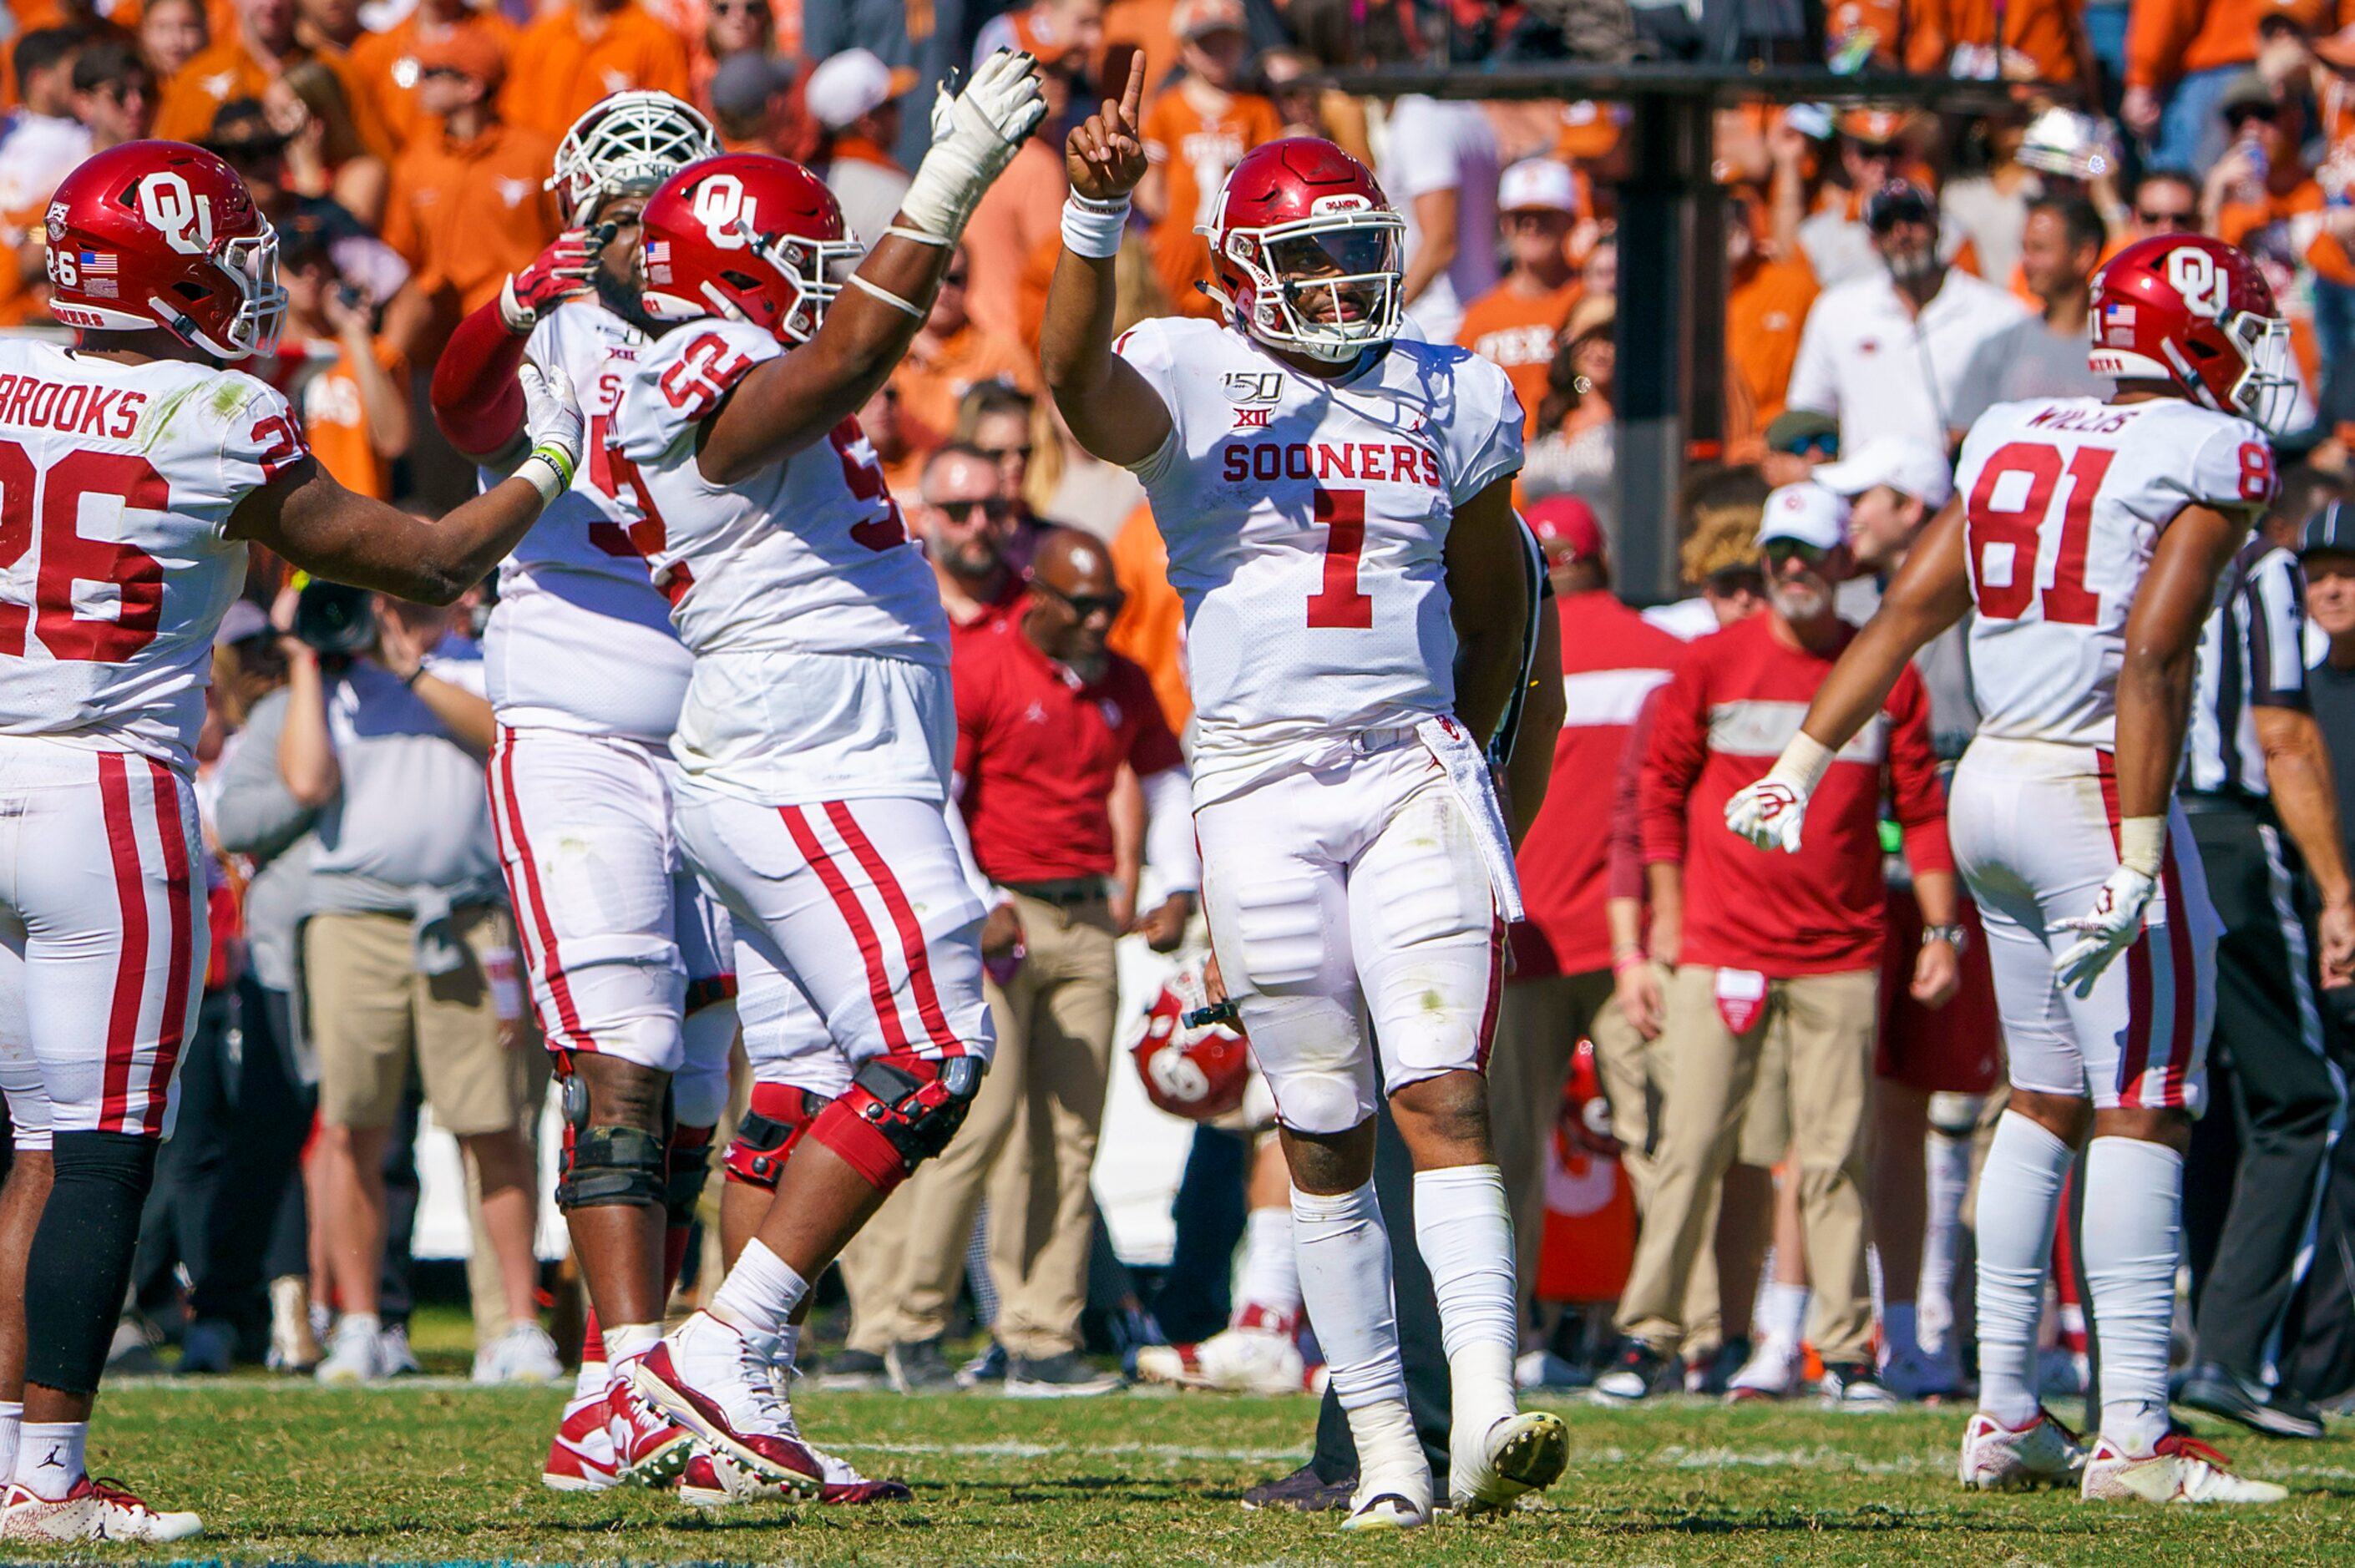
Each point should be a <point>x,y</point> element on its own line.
<point>435,1471</point>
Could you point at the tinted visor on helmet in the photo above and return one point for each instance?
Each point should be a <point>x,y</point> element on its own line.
<point>1338,275</point>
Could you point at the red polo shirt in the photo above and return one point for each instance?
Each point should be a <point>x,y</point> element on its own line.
<point>1039,752</point>
<point>1611,659</point>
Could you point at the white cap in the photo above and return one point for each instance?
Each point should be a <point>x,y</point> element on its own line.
<point>1805,512</point>
<point>846,86</point>
<point>1908,467</point>
<point>1538,183</point>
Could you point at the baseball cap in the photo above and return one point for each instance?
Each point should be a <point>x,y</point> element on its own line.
<point>1536,185</point>
<point>1908,467</point>
<point>1795,429</point>
<point>2332,529</point>
<point>744,83</point>
<point>2247,94</point>
<point>1589,130</point>
<point>1899,201</point>
<point>1192,18</point>
<point>470,51</point>
<point>1807,513</point>
<point>852,83</point>
<point>1567,526</point>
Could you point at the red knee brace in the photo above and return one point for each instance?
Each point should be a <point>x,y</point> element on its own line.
<point>900,1110</point>
<point>764,1139</point>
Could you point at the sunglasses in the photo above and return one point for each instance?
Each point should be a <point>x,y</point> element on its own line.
<point>962,510</point>
<point>999,454</point>
<point>1823,446</point>
<point>1778,551</point>
<point>953,281</point>
<point>740,8</point>
<point>1889,217</point>
<point>1085,605</point>
<point>2185,219</point>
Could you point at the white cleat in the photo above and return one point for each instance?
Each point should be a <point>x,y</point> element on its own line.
<point>1519,1455</point>
<point>1917,1376</point>
<point>93,1510</point>
<point>524,1354</point>
<point>1771,1371</point>
<point>1389,1509</point>
<point>1234,1361</point>
<point>356,1352</point>
<point>2180,1469</point>
<point>1999,1458</point>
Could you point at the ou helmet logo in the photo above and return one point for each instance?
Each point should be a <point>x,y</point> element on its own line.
<point>2194,275</point>
<point>185,219</point>
<point>725,211</point>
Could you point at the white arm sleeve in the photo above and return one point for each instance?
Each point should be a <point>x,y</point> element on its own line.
<point>1170,851</point>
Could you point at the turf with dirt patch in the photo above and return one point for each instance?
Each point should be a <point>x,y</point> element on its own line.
<point>416,1473</point>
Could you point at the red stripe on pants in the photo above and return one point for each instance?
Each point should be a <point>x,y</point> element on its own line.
<point>525,893</point>
<point>854,914</point>
<point>2179,957</point>
<point>911,935</point>
<point>171,831</point>
<point>131,964</point>
<point>2134,1060</point>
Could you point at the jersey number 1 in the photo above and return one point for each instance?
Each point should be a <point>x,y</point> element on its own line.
<point>1337,603</point>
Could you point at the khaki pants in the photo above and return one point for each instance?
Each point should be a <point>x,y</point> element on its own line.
<point>371,1011</point>
<point>1824,1024</point>
<point>1055,1022</point>
<point>1630,1069</point>
<point>1540,1022</point>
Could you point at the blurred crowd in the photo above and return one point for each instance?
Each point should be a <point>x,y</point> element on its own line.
<point>1893,273</point>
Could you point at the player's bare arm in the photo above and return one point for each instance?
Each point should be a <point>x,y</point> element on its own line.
<point>1489,606</point>
<point>786,403</point>
<point>2162,640</point>
<point>307,517</point>
<point>1928,595</point>
<point>1111,409</point>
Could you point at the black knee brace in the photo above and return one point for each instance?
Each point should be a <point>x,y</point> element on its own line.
<point>690,1167</point>
<point>603,1166</point>
<point>81,1261</point>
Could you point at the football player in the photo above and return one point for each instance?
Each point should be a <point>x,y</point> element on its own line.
<point>134,469</point>
<point>2087,537</point>
<point>1337,504</point>
<point>815,731</point>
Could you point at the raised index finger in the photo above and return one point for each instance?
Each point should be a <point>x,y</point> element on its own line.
<point>1132,97</point>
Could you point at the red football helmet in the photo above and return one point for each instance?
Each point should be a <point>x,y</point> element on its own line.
<point>2193,311</point>
<point>1198,1074</point>
<point>1304,250</point>
<point>750,237</point>
<point>161,234</point>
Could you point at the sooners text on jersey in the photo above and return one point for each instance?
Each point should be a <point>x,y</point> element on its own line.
<point>116,482</point>
<point>1306,523</point>
<point>2065,500</point>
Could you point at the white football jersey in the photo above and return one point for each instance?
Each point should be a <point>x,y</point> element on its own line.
<point>582,640</point>
<point>116,482</point>
<point>1306,523</point>
<point>2064,500</point>
<point>807,558</point>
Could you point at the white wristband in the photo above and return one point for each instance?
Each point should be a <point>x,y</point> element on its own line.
<point>1092,228</point>
<point>2142,844</point>
<point>1803,763</point>
<point>887,296</point>
<point>547,471</point>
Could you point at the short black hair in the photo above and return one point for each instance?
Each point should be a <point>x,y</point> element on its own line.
<point>2183,178</point>
<point>43,48</point>
<point>2081,221</point>
<point>107,62</point>
<point>2305,491</point>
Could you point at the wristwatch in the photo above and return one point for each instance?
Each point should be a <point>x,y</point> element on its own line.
<point>1956,937</point>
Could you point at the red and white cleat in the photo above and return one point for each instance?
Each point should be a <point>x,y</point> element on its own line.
<point>716,1482</point>
<point>647,1447</point>
<point>1234,1361</point>
<point>2180,1469</point>
<point>98,1509</point>
<point>714,1380</point>
<point>1999,1459</point>
<point>581,1454</point>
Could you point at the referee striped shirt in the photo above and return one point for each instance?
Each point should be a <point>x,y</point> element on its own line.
<point>2251,657</point>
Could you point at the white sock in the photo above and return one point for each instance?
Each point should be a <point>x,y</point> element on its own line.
<point>1345,1283</point>
<point>630,1339</point>
<point>12,1420</point>
<point>1465,1230</point>
<point>1781,1313</point>
<point>760,1293</point>
<point>2136,1190</point>
<point>591,1380</point>
<point>1947,1161</point>
<point>49,1457</point>
<point>2019,1197</point>
<point>789,1345</point>
<point>1897,1336</point>
<point>359,1323</point>
<point>1270,1280</point>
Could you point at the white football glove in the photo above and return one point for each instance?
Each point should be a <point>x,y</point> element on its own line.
<point>552,423</point>
<point>2109,930</point>
<point>976,133</point>
<point>1768,813</point>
